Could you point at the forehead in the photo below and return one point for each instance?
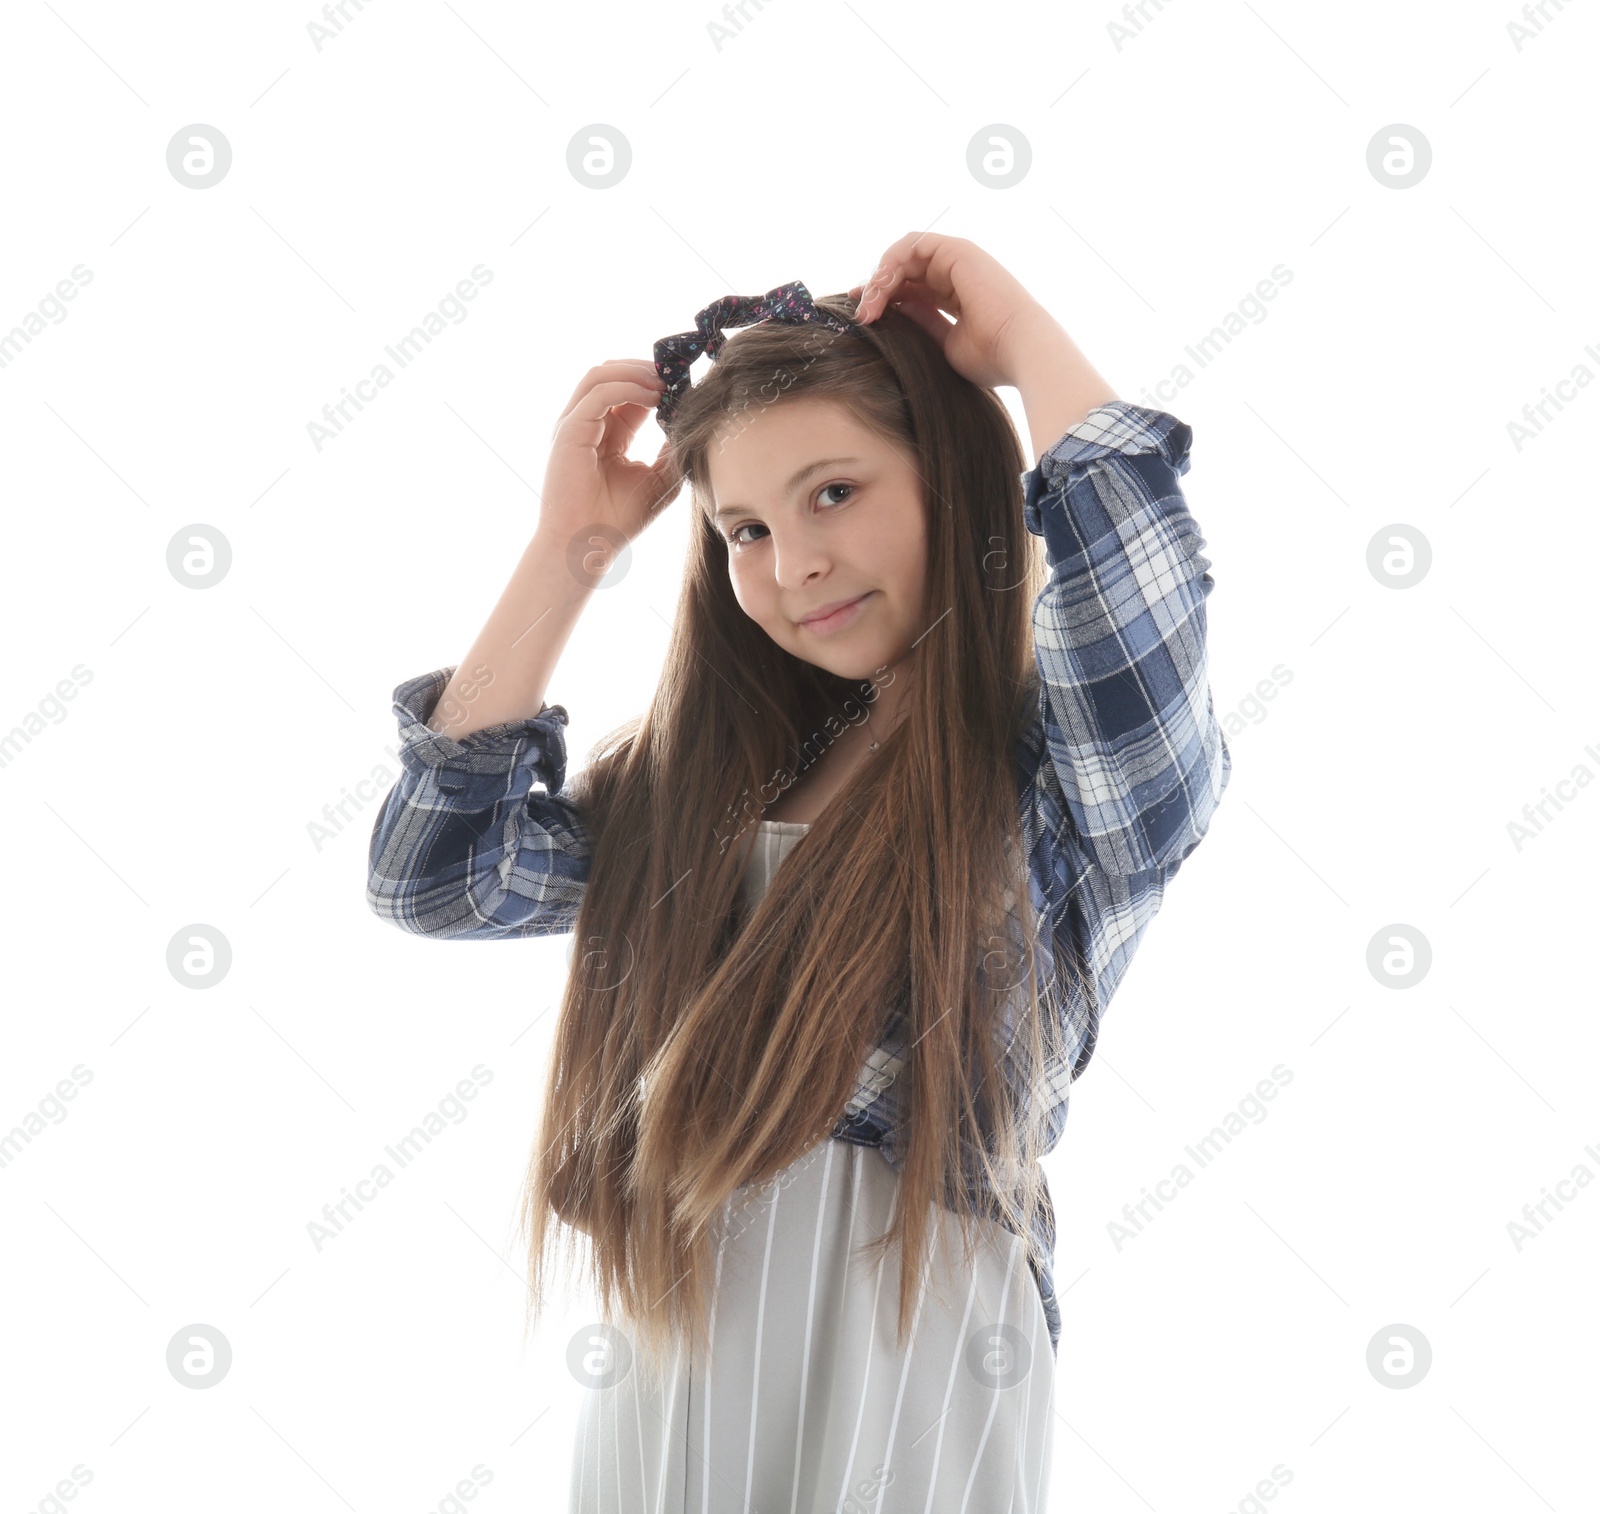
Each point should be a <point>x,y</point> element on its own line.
<point>757,449</point>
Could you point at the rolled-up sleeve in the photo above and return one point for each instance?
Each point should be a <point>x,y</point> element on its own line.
<point>476,840</point>
<point>1120,638</point>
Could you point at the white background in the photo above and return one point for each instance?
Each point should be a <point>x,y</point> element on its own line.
<point>181,785</point>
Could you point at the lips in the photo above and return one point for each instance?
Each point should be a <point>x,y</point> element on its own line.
<point>830,616</point>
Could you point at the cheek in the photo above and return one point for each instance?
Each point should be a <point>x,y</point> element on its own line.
<point>904,555</point>
<point>917,550</point>
<point>754,596</point>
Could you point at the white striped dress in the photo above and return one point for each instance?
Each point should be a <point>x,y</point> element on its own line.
<point>806,1403</point>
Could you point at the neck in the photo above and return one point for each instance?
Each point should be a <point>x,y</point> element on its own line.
<point>884,713</point>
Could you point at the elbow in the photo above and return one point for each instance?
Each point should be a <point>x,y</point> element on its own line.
<point>1168,829</point>
<point>388,904</point>
<point>1200,796</point>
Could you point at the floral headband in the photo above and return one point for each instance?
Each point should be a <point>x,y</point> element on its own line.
<point>789,304</point>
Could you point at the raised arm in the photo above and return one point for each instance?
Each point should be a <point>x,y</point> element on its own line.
<point>1124,764</point>
<point>1120,636</point>
<point>466,845</point>
<point>1127,759</point>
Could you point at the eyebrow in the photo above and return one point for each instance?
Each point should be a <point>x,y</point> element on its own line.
<point>794,482</point>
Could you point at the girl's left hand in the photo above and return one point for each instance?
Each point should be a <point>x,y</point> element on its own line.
<point>995,317</point>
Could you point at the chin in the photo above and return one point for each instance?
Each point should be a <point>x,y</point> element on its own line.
<point>847,662</point>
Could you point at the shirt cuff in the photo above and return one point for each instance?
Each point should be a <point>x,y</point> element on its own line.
<point>537,741</point>
<point>1117,428</point>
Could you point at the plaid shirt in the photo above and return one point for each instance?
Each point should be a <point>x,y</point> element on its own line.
<point>1119,772</point>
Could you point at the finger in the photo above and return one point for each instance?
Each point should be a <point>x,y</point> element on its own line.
<point>612,369</point>
<point>607,385</point>
<point>584,423</point>
<point>656,483</point>
<point>916,289</point>
<point>927,315</point>
<point>911,275</point>
<point>924,257</point>
<point>667,479</point>
<point>659,473</point>
<point>901,250</point>
<point>612,434</point>
<point>883,272</point>
<point>620,424</point>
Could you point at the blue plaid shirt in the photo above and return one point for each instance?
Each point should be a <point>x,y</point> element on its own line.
<point>1119,772</point>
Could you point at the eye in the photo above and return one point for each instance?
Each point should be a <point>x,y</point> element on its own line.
<point>733,538</point>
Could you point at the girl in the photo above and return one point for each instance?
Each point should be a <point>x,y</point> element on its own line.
<point>850,898</point>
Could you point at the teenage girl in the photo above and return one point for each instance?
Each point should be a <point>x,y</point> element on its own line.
<point>933,734</point>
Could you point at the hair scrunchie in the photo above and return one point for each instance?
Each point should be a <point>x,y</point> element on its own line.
<point>790,304</point>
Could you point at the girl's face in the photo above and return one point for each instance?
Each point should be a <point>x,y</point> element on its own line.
<point>820,512</point>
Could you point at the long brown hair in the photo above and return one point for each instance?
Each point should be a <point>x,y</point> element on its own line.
<point>699,1051</point>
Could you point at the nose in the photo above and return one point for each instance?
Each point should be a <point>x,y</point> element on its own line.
<point>798,556</point>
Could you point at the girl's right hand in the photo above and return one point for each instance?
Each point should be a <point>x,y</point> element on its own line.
<point>590,480</point>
